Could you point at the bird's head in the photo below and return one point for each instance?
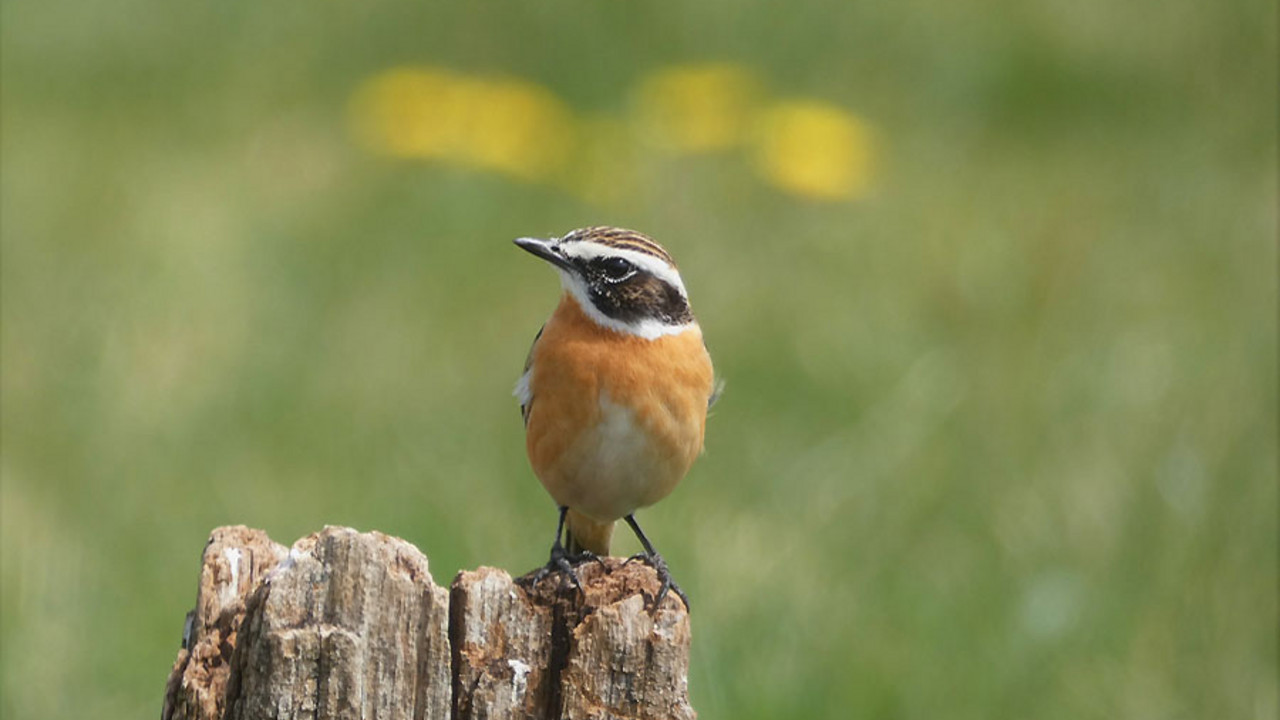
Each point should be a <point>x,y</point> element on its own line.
<point>622,279</point>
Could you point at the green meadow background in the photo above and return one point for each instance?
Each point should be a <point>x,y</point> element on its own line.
<point>999,434</point>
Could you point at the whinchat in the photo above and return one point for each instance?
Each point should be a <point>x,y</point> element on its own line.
<point>615,390</point>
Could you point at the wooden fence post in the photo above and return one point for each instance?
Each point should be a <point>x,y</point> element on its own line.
<point>351,625</point>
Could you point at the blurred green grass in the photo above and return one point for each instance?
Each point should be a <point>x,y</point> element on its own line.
<point>999,438</point>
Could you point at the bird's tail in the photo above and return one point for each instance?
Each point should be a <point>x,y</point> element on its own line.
<point>585,533</point>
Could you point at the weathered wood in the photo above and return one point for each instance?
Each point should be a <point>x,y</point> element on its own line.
<point>235,561</point>
<point>624,661</point>
<point>351,625</point>
<point>552,651</point>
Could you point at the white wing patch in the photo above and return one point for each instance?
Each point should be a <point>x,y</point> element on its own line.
<point>523,392</point>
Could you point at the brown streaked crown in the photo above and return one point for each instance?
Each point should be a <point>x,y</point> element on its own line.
<point>621,239</point>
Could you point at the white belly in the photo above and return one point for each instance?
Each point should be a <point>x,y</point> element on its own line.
<point>621,469</point>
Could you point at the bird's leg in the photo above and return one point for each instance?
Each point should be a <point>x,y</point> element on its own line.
<point>560,560</point>
<point>656,562</point>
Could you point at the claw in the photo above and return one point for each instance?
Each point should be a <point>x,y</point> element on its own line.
<point>588,556</point>
<point>655,561</point>
<point>560,562</point>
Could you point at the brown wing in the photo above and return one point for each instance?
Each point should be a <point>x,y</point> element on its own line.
<point>523,390</point>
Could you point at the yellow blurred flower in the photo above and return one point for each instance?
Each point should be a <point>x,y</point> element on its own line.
<point>697,108</point>
<point>516,127</point>
<point>409,112</point>
<point>815,150</point>
<point>510,126</point>
<point>523,130</point>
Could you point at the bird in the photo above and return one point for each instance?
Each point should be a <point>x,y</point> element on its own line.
<point>615,391</point>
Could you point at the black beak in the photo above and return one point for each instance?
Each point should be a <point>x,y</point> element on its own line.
<point>545,250</point>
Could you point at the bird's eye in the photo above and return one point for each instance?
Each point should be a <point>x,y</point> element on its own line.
<point>616,269</point>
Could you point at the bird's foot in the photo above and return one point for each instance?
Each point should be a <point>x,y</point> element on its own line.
<point>559,562</point>
<point>565,563</point>
<point>587,556</point>
<point>655,561</point>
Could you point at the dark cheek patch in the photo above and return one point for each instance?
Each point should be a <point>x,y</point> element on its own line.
<point>641,298</point>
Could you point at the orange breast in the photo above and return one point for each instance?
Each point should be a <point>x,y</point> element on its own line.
<point>616,420</point>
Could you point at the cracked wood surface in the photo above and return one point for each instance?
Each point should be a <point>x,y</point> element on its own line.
<point>351,625</point>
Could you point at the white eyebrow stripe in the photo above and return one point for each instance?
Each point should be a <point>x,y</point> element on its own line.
<point>656,266</point>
